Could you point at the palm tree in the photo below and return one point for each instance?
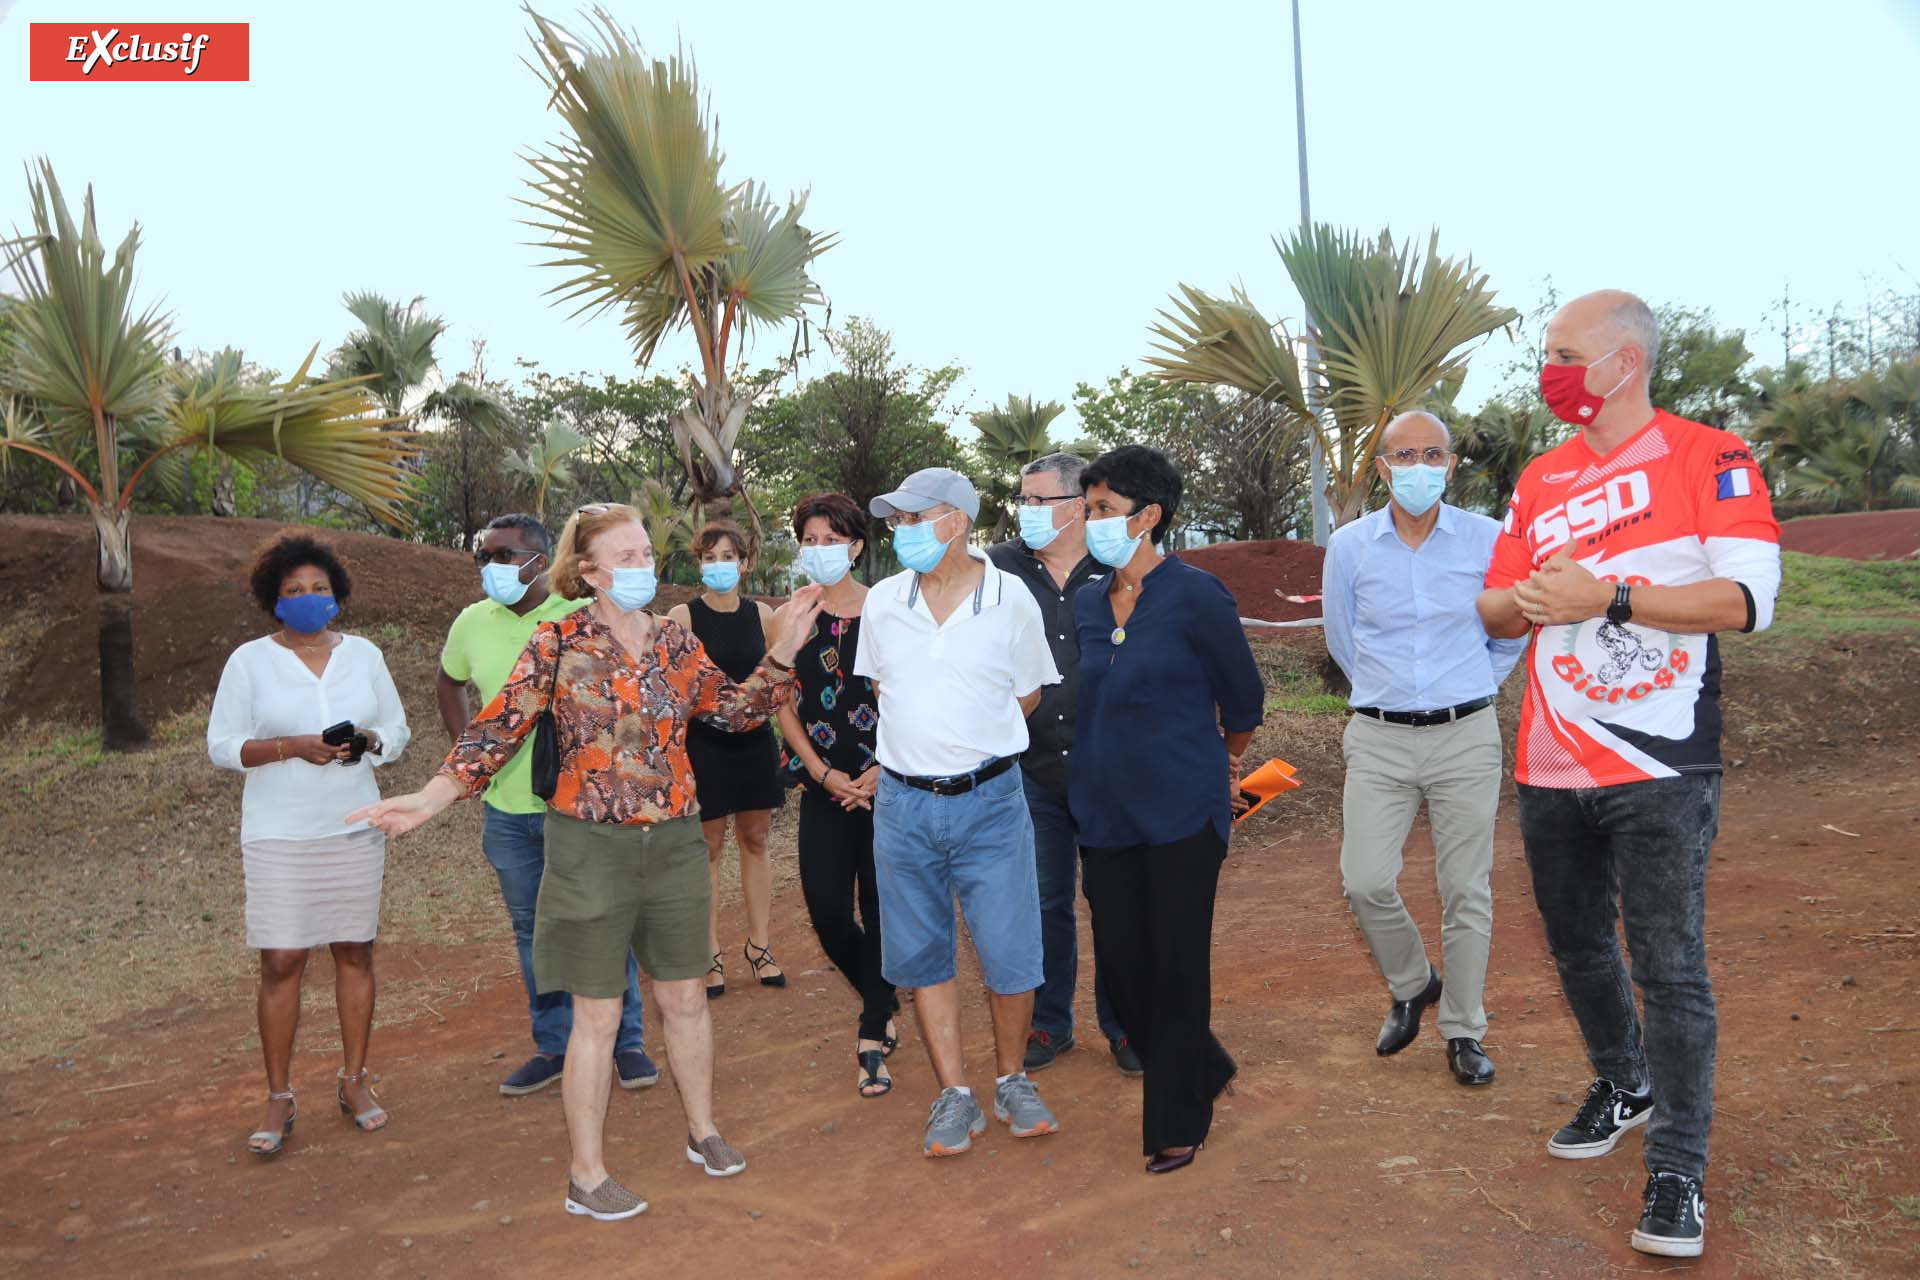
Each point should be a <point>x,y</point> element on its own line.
<point>1011,436</point>
<point>632,202</point>
<point>481,422</point>
<point>545,461</point>
<point>1846,443</point>
<point>670,526</point>
<point>392,349</point>
<point>95,401</point>
<point>1495,445</point>
<point>1386,326</point>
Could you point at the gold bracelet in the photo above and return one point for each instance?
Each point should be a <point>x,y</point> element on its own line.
<point>280,749</point>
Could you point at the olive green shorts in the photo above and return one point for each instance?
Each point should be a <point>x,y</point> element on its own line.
<point>609,887</point>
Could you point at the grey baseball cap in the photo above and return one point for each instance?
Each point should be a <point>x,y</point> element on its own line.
<point>929,488</point>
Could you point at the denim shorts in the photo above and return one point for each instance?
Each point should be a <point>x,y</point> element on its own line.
<point>978,847</point>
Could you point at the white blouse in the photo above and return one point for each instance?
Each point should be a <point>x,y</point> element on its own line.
<point>266,691</point>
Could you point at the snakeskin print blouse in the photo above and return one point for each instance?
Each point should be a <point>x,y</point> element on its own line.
<point>622,725</point>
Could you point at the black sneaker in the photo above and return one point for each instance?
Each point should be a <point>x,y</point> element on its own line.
<point>1127,1060</point>
<point>1042,1049</point>
<point>1675,1222</point>
<point>1595,1129</point>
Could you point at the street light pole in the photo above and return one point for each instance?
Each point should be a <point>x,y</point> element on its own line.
<point>1317,462</point>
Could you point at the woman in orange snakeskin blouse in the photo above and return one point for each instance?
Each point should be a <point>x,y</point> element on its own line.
<point>626,863</point>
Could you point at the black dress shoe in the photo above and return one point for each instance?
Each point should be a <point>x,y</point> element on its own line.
<point>1165,1163</point>
<point>1403,1020</point>
<point>1470,1063</point>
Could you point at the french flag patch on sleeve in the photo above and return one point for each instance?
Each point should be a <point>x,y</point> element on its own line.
<point>1735,482</point>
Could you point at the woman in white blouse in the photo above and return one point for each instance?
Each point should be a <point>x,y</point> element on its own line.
<point>312,878</point>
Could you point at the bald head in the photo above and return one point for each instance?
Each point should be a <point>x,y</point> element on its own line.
<point>1415,429</point>
<point>1597,323</point>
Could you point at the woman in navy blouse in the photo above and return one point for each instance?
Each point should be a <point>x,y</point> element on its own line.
<point>1169,698</point>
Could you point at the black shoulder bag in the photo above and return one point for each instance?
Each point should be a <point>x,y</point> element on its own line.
<point>546,735</point>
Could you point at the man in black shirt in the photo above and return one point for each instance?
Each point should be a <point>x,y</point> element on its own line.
<point>1050,556</point>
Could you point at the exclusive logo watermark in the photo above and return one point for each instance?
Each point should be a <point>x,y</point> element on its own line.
<point>139,51</point>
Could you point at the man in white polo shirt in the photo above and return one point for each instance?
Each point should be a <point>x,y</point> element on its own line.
<point>958,653</point>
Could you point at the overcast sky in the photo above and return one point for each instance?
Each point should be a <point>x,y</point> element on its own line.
<point>1017,187</point>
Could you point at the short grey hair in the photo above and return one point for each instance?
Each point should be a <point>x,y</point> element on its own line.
<point>1067,466</point>
<point>1633,322</point>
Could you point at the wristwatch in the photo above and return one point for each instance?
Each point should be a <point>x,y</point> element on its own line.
<point>1621,610</point>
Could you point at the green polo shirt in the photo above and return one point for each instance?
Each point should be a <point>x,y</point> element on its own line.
<point>483,645</point>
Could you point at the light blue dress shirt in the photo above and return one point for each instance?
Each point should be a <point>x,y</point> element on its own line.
<point>1401,621</point>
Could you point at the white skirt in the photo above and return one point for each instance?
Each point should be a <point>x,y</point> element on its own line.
<point>302,893</point>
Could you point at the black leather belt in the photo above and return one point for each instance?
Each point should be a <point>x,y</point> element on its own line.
<point>960,783</point>
<point>1421,719</point>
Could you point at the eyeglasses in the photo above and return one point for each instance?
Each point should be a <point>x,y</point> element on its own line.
<point>1042,499</point>
<point>593,509</point>
<point>901,519</point>
<point>505,555</point>
<point>1432,455</point>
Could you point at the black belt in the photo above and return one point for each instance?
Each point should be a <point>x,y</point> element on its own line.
<point>1421,719</point>
<point>960,783</point>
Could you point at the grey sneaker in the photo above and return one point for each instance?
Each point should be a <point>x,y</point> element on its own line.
<point>717,1155</point>
<point>608,1202</point>
<point>952,1123</point>
<point>1018,1103</point>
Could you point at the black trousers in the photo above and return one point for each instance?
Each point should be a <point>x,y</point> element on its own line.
<point>836,869</point>
<point>1152,909</point>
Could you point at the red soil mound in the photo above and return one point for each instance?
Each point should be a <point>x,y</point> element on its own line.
<point>1254,571</point>
<point>191,605</point>
<point>1861,535</point>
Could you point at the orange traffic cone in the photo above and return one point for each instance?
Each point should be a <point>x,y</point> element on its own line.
<point>1272,779</point>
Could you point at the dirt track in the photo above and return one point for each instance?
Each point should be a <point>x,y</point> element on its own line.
<point>1328,1162</point>
<point>1858,535</point>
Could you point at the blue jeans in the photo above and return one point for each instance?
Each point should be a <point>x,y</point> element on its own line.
<point>1646,844</point>
<point>1056,857</point>
<point>978,847</point>
<point>515,845</point>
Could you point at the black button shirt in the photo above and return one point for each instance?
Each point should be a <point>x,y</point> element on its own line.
<point>1050,727</point>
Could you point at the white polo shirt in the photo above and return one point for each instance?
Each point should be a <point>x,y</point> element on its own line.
<point>949,693</point>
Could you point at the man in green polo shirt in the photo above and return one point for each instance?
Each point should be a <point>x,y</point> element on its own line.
<point>482,647</point>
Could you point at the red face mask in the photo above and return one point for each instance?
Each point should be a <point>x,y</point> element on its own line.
<point>1564,388</point>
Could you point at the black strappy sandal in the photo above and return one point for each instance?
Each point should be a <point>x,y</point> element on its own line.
<point>715,992</point>
<point>890,1043</point>
<point>764,960</point>
<point>871,1060</point>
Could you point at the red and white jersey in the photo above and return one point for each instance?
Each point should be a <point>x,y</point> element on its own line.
<point>1676,504</point>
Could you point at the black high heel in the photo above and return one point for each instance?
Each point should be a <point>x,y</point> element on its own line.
<point>714,992</point>
<point>764,960</point>
<point>1164,1163</point>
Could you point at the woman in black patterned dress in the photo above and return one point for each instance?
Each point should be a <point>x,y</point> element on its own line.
<point>829,727</point>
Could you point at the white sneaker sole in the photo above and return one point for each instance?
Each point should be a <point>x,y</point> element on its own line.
<point>1667,1247</point>
<point>1595,1150</point>
<point>694,1157</point>
<point>579,1210</point>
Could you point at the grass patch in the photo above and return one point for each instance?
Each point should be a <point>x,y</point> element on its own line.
<point>1307,703</point>
<point>1820,595</point>
<point>1296,680</point>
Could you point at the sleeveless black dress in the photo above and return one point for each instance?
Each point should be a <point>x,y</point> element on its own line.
<point>732,772</point>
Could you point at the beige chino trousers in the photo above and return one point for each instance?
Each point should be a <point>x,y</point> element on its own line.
<point>1455,768</point>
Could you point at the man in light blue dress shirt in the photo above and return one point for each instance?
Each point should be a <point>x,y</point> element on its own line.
<point>1400,588</point>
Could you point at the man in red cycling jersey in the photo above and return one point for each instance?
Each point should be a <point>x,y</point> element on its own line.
<point>1624,550</point>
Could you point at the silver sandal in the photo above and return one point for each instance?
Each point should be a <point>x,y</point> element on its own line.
<point>374,1117</point>
<point>265,1142</point>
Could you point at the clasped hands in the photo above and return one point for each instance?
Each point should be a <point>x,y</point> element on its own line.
<point>1560,591</point>
<point>849,792</point>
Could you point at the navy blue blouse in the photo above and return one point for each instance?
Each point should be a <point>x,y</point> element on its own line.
<point>1149,764</point>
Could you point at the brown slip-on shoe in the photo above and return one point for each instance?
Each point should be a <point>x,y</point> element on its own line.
<point>608,1202</point>
<point>716,1155</point>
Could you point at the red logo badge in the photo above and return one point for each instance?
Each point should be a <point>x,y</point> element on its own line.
<point>139,51</point>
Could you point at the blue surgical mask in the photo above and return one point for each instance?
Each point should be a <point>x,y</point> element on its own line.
<point>1416,488</point>
<point>918,546</point>
<point>632,588</point>
<point>307,614</point>
<point>1108,542</point>
<point>502,583</point>
<point>827,563</point>
<point>1036,526</point>
<point>720,575</point>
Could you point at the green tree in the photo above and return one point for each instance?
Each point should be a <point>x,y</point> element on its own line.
<point>392,350</point>
<point>544,462</point>
<point>96,402</point>
<point>626,426</point>
<point>1849,443</point>
<point>1011,436</point>
<point>1699,371</point>
<point>1387,326</point>
<point>1495,445</point>
<point>472,432</point>
<point>858,429</point>
<point>635,210</point>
